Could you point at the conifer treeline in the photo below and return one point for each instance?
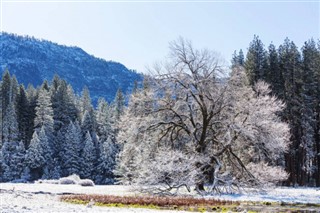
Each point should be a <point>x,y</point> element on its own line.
<point>295,78</point>
<point>49,132</point>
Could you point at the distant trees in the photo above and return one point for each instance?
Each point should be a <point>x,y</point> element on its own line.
<point>192,129</point>
<point>294,77</point>
<point>49,132</point>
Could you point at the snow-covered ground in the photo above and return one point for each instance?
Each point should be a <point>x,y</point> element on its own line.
<point>279,194</point>
<point>45,197</point>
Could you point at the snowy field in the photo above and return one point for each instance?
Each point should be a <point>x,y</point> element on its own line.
<point>45,197</point>
<point>42,198</point>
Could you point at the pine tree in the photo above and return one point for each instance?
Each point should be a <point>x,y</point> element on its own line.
<point>35,159</point>
<point>234,60</point>
<point>44,112</point>
<point>12,159</point>
<point>71,153</point>
<point>5,98</point>
<point>23,115</point>
<point>10,125</point>
<point>104,123</point>
<point>63,104</point>
<point>119,104</point>
<point>45,85</point>
<point>290,67</point>
<point>87,124</point>
<point>106,163</point>
<point>274,75</point>
<point>32,96</point>
<point>237,59</point>
<point>256,61</point>
<point>5,91</point>
<point>47,153</point>
<point>86,102</point>
<point>241,58</point>
<point>308,110</point>
<point>14,88</point>
<point>88,157</point>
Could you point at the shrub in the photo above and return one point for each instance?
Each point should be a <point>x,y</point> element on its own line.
<point>67,180</point>
<point>72,179</point>
<point>86,182</point>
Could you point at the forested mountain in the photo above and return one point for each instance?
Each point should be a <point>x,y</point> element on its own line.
<point>50,132</point>
<point>33,61</point>
<point>294,76</point>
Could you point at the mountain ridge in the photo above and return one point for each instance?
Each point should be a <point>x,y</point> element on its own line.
<point>34,60</point>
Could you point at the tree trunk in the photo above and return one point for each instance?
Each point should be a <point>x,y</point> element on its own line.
<point>200,187</point>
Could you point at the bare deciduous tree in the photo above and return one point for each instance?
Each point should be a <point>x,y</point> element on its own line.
<point>195,127</point>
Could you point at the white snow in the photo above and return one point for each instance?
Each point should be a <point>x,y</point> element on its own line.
<point>42,198</point>
<point>19,197</point>
<point>278,194</point>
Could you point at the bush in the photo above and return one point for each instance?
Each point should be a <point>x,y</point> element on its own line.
<point>86,182</point>
<point>72,179</point>
<point>67,180</point>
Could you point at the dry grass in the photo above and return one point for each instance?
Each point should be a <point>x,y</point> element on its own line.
<point>149,200</point>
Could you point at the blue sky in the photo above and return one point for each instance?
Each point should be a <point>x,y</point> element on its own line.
<point>137,33</point>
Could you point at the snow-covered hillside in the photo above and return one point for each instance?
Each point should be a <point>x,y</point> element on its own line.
<point>33,61</point>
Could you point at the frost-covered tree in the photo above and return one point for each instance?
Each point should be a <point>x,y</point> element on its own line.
<point>88,157</point>
<point>228,129</point>
<point>12,152</point>
<point>63,103</point>
<point>71,161</point>
<point>87,124</point>
<point>34,157</point>
<point>103,116</point>
<point>23,115</point>
<point>119,102</point>
<point>32,96</point>
<point>12,159</point>
<point>38,156</point>
<point>44,116</point>
<point>85,103</point>
<point>44,112</point>
<point>10,125</point>
<point>106,163</point>
<point>5,91</point>
<point>131,137</point>
<point>105,124</point>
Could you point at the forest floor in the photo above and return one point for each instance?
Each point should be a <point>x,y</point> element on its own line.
<point>18,197</point>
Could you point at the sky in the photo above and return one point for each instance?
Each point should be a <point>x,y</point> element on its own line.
<point>137,33</point>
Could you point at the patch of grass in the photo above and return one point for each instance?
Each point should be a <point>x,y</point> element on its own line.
<point>153,202</point>
<point>150,200</point>
<point>189,204</point>
<point>76,201</point>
